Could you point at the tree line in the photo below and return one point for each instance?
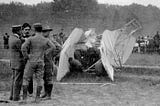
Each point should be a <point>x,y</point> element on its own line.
<point>80,13</point>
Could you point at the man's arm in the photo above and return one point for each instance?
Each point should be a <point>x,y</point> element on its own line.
<point>51,47</point>
<point>16,45</point>
<point>25,48</point>
<point>58,46</point>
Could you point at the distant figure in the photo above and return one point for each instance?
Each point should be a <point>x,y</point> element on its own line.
<point>139,43</point>
<point>62,36</point>
<point>157,36</point>
<point>99,69</point>
<point>6,39</point>
<point>75,66</point>
<point>156,41</point>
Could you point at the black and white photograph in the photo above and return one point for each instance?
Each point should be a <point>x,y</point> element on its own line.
<point>79,52</point>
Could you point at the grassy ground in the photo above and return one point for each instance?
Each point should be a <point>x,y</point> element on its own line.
<point>127,90</point>
<point>144,59</point>
<point>132,87</point>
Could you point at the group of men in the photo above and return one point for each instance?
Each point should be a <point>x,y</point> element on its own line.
<point>35,54</point>
<point>32,55</point>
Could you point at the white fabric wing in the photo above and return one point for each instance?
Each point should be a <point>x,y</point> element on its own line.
<point>128,48</point>
<point>105,61</point>
<point>68,51</point>
<point>115,49</point>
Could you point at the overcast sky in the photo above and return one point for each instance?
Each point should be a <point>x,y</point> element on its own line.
<point>119,2</point>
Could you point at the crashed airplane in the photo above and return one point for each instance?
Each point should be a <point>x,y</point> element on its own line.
<point>115,47</point>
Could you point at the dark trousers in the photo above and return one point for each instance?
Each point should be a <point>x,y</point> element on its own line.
<point>6,46</point>
<point>17,79</point>
<point>48,73</point>
<point>33,68</point>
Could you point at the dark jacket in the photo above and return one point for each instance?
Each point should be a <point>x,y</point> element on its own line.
<point>16,59</point>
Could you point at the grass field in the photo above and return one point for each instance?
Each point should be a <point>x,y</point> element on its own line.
<point>128,89</point>
<point>144,59</point>
<point>132,86</point>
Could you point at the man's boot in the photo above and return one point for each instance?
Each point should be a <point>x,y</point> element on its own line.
<point>25,89</point>
<point>30,88</point>
<point>48,91</point>
<point>50,86</point>
<point>11,95</point>
<point>45,91</point>
<point>16,96</point>
<point>38,92</point>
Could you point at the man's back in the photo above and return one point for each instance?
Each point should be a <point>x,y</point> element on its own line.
<point>15,49</point>
<point>37,45</point>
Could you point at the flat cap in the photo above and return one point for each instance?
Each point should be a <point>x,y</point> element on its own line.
<point>47,28</point>
<point>36,25</point>
<point>17,26</point>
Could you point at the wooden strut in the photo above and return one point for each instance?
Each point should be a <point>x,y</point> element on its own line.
<point>73,83</point>
<point>91,66</point>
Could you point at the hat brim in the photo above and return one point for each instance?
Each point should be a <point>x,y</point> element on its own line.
<point>45,30</point>
<point>17,26</point>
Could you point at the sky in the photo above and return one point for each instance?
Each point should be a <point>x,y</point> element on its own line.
<point>116,2</point>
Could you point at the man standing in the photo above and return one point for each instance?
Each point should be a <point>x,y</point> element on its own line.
<point>17,62</point>
<point>48,67</point>
<point>38,46</point>
<point>6,39</point>
<point>26,28</point>
<point>61,37</point>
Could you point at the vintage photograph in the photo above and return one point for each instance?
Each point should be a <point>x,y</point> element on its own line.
<point>79,52</point>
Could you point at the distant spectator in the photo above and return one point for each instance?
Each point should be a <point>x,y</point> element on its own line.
<point>75,65</point>
<point>100,70</point>
<point>6,39</point>
<point>62,36</point>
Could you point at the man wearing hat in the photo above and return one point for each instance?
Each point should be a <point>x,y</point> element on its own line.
<point>16,62</point>
<point>48,67</point>
<point>38,45</point>
<point>6,39</point>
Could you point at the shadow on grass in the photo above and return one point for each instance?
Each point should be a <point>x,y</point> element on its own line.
<point>85,78</point>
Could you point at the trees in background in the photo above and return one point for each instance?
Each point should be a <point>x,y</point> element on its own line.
<point>82,13</point>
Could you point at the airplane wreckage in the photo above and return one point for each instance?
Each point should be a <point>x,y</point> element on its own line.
<point>114,46</point>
